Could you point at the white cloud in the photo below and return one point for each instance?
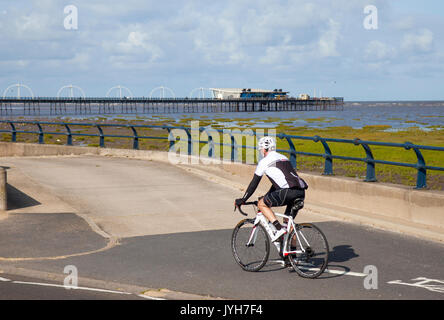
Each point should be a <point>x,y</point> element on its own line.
<point>138,40</point>
<point>81,60</point>
<point>377,50</point>
<point>218,40</point>
<point>421,41</point>
<point>328,41</point>
<point>405,23</point>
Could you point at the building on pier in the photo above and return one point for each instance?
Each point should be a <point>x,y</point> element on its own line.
<point>236,93</point>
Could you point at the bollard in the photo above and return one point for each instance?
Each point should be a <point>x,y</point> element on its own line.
<point>3,197</point>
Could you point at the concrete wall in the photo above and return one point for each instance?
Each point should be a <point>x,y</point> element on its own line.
<point>10,149</point>
<point>392,203</point>
<point>417,206</point>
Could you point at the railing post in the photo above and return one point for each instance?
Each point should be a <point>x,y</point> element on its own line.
<point>13,132</point>
<point>190,142</point>
<point>208,131</point>
<point>69,135</point>
<point>370,160</point>
<point>172,141</point>
<point>136,139</point>
<point>328,167</point>
<point>211,153</point>
<point>102,138</point>
<point>234,151</point>
<point>421,179</point>
<point>41,141</point>
<point>292,150</point>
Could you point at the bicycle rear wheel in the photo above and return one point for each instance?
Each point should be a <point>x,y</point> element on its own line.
<point>250,245</point>
<point>311,246</point>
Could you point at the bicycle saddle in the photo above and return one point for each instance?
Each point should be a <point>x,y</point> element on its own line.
<point>298,204</point>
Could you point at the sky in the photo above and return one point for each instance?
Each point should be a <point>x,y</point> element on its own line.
<point>356,49</point>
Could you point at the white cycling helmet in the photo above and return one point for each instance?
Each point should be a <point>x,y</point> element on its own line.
<point>267,143</point>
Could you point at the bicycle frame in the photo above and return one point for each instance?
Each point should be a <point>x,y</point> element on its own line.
<point>303,255</point>
<point>260,219</point>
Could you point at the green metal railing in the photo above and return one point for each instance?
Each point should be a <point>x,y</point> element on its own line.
<point>420,165</point>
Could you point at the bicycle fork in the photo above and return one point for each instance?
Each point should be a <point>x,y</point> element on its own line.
<point>253,236</point>
<point>260,219</point>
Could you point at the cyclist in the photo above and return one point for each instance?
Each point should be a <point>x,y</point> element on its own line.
<point>286,184</point>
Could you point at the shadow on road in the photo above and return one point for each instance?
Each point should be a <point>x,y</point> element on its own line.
<point>18,199</point>
<point>342,253</point>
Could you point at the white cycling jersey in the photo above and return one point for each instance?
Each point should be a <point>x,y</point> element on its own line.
<point>279,170</point>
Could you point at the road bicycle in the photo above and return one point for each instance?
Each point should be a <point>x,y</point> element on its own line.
<point>304,245</point>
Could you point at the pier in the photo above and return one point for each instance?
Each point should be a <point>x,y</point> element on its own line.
<point>52,106</point>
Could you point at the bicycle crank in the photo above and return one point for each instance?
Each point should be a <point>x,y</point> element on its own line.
<point>309,252</point>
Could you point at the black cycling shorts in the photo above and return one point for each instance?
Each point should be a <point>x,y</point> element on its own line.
<point>284,197</point>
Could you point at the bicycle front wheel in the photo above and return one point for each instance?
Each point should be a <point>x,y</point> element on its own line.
<point>250,245</point>
<point>309,250</point>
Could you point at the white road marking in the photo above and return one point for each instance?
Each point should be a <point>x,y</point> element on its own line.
<point>149,297</point>
<point>79,288</point>
<point>341,272</point>
<point>347,273</point>
<point>333,271</point>
<point>434,285</point>
<point>69,288</point>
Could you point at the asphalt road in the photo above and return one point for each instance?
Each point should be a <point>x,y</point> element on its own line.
<point>201,263</point>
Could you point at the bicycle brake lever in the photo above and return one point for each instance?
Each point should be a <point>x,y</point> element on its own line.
<point>240,210</point>
<point>243,213</point>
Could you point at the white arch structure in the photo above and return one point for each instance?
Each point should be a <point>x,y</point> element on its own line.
<point>71,87</point>
<point>18,86</point>
<point>119,87</point>
<point>201,92</point>
<point>220,93</point>
<point>162,92</point>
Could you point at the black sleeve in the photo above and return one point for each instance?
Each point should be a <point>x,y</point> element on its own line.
<point>271,189</point>
<point>252,187</point>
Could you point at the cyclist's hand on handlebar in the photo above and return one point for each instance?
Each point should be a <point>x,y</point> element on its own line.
<point>237,205</point>
<point>239,202</point>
